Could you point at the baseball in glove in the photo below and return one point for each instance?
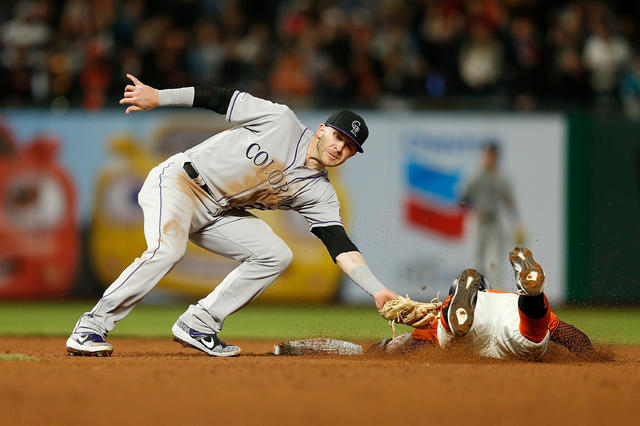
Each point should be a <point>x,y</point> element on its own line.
<point>403,310</point>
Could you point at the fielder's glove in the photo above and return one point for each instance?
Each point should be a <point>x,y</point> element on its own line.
<point>403,310</point>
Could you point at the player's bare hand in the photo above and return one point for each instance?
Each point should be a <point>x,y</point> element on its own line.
<point>383,296</point>
<point>139,97</point>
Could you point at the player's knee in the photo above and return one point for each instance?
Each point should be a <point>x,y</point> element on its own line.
<point>277,256</point>
<point>170,254</point>
<point>282,257</point>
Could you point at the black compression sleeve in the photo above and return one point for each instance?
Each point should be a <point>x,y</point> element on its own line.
<point>214,98</point>
<point>335,239</point>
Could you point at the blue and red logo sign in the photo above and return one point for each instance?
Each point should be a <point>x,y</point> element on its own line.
<point>432,200</point>
<point>435,168</point>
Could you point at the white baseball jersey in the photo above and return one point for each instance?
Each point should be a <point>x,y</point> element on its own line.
<point>495,332</point>
<point>259,163</point>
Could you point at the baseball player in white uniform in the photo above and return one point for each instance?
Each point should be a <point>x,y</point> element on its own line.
<point>499,324</point>
<point>268,160</point>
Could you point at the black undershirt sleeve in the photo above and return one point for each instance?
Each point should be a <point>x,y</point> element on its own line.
<point>335,239</point>
<point>214,98</point>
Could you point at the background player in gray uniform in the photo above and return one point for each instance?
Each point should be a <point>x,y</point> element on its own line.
<point>268,160</point>
<point>489,195</point>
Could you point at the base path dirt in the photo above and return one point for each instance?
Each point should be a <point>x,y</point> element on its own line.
<point>158,382</point>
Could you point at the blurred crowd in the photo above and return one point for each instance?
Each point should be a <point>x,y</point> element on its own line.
<point>511,54</point>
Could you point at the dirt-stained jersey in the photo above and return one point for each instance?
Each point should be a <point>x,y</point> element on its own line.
<point>259,163</point>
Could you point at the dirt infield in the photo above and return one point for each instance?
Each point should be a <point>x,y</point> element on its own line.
<point>159,382</point>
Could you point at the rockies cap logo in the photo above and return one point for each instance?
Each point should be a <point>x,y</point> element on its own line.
<point>351,125</point>
<point>355,127</point>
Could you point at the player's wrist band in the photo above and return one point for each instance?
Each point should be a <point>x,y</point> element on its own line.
<point>364,278</point>
<point>176,97</point>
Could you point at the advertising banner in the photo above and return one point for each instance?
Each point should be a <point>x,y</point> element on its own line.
<point>415,203</point>
<point>39,233</point>
<point>423,210</point>
<point>102,162</point>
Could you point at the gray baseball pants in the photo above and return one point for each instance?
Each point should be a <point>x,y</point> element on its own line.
<point>490,251</point>
<point>176,210</point>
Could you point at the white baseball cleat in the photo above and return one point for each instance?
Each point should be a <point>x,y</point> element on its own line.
<point>88,344</point>
<point>463,302</point>
<point>529,275</point>
<point>207,343</point>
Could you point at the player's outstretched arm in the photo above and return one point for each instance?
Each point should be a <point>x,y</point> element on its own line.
<point>573,339</point>
<point>139,97</point>
<point>354,266</point>
<point>350,260</point>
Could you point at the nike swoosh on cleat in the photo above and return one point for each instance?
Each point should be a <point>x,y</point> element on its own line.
<point>82,339</point>
<point>208,342</point>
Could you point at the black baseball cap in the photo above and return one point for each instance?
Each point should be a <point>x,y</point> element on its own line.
<point>350,124</point>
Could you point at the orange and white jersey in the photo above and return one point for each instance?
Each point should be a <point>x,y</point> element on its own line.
<point>499,329</point>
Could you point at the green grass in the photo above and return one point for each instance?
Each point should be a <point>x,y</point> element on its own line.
<point>614,326</point>
<point>16,357</point>
<point>605,325</point>
<point>256,321</point>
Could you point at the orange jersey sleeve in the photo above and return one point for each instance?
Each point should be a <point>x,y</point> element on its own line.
<point>430,334</point>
